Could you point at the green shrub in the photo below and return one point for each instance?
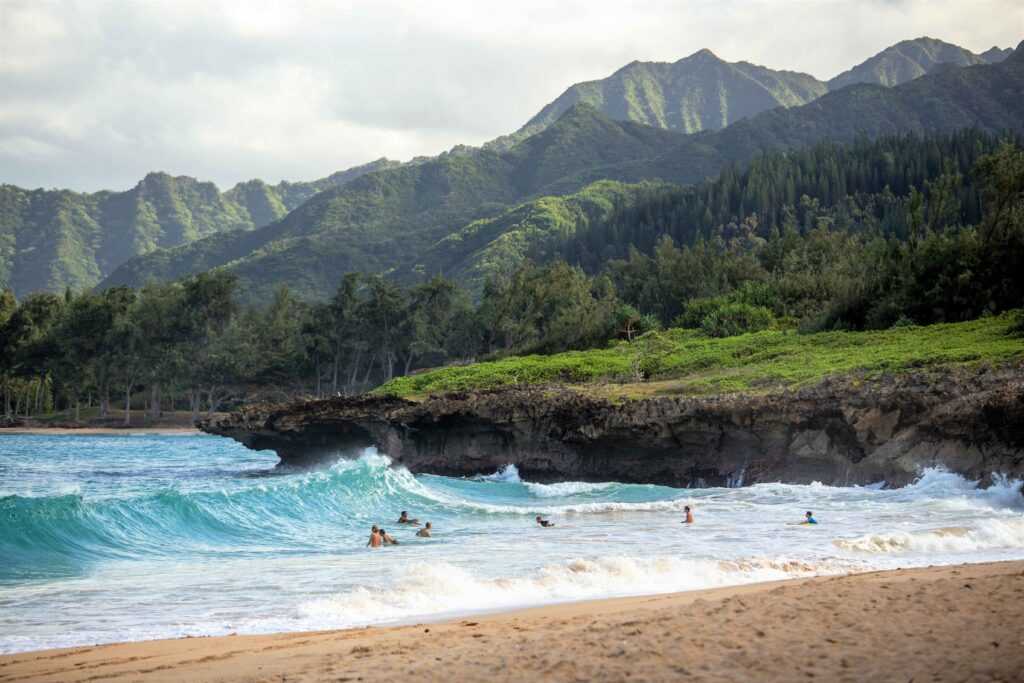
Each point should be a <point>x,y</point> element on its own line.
<point>733,319</point>
<point>696,310</point>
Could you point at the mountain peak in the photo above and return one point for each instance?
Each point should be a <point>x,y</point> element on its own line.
<point>668,95</point>
<point>1018,54</point>
<point>905,61</point>
<point>155,176</point>
<point>702,54</point>
<point>996,54</point>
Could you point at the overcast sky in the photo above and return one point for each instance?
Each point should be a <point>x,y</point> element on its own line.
<point>94,94</point>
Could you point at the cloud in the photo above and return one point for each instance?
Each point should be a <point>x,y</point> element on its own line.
<point>98,92</point>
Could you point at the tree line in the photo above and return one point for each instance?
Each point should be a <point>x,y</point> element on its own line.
<point>910,231</point>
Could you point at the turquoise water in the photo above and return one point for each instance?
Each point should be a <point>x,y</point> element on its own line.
<point>109,538</point>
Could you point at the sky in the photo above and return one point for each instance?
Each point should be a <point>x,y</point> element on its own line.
<point>95,94</point>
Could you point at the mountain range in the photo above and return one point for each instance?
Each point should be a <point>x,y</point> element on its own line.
<point>703,92</point>
<point>452,214</point>
<point>53,239</point>
<point>470,212</point>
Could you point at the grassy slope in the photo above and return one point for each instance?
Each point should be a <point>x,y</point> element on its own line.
<point>687,362</point>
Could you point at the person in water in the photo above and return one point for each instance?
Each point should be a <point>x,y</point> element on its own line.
<point>425,531</point>
<point>689,515</point>
<point>543,522</point>
<point>375,539</point>
<point>809,518</point>
<point>387,539</point>
<point>404,519</point>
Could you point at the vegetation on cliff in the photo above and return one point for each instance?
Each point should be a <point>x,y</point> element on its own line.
<point>680,361</point>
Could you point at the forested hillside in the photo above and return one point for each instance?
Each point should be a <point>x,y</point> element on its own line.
<point>54,239</point>
<point>895,232</point>
<point>385,219</point>
<point>397,220</point>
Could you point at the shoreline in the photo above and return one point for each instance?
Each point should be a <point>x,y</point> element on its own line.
<point>98,431</point>
<point>948,622</point>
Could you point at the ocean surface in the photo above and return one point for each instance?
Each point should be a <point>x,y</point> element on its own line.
<point>113,538</point>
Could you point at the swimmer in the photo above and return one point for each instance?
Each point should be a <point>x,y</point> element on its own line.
<point>689,515</point>
<point>543,522</point>
<point>404,519</point>
<point>387,538</point>
<point>809,518</point>
<point>375,539</point>
<point>425,531</point>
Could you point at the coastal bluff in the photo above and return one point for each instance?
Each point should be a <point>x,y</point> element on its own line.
<point>842,431</point>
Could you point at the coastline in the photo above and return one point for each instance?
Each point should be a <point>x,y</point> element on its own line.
<point>98,431</point>
<point>952,622</point>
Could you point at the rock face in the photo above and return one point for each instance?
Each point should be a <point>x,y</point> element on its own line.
<point>842,431</point>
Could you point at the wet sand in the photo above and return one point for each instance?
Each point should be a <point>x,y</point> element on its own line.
<point>959,623</point>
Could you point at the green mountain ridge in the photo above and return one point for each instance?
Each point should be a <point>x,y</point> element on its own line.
<point>451,215</point>
<point>910,59</point>
<point>54,239</point>
<point>985,97</point>
<point>383,219</point>
<point>703,92</point>
<point>536,229</point>
<point>699,92</point>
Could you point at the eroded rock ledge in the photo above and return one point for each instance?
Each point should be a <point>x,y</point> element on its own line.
<point>842,431</point>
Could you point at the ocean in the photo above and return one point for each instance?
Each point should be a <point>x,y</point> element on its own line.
<point>115,538</point>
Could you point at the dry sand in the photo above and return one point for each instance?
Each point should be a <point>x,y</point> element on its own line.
<point>962,623</point>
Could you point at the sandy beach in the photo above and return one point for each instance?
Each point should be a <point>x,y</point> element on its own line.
<point>955,623</point>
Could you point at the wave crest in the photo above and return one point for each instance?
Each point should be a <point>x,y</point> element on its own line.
<point>990,534</point>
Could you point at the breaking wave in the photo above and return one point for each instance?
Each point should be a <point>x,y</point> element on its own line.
<point>989,534</point>
<point>433,588</point>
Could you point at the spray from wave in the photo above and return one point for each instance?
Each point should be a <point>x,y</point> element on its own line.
<point>509,474</point>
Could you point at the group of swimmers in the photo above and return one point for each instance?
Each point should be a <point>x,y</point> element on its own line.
<point>379,536</point>
<point>808,517</point>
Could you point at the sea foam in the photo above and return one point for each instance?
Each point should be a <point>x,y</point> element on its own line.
<point>435,587</point>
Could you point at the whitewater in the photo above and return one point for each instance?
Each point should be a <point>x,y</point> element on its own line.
<point>114,538</point>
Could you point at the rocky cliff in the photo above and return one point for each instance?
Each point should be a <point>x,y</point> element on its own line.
<point>847,430</point>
